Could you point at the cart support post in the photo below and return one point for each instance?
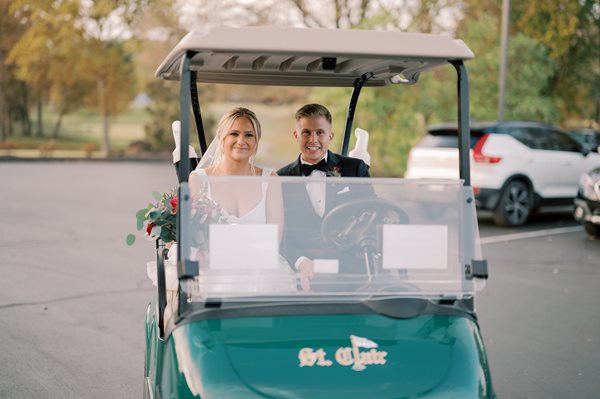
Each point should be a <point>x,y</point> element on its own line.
<point>186,268</point>
<point>196,111</point>
<point>161,254</point>
<point>464,129</point>
<point>184,99</point>
<point>358,84</point>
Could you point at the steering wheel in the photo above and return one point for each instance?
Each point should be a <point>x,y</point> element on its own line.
<point>354,224</point>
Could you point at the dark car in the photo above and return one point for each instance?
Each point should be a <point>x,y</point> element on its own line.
<point>587,137</point>
<point>587,203</point>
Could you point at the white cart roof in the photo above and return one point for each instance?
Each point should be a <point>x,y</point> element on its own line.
<point>296,57</point>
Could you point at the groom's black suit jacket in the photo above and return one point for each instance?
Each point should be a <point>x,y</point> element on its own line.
<point>302,224</point>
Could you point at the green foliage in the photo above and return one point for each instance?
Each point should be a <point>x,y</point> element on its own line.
<point>163,110</point>
<point>533,18</point>
<point>130,239</point>
<point>532,70</point>
<point>529,73</point>
<point>386,113</point>
<point>392,128</point>
<point>574,48</point>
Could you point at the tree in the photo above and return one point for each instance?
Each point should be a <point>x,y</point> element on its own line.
<point>574,46</point>
<point>339,14</point>
<point>68,51</point>
<point>110,62</point>
<point>14,94</point>
<point>112,69</point>
<point>163,110</point>
<point>46,56</point>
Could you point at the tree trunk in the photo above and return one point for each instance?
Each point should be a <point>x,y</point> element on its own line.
<point>3,118</point>
<point>105,117</point>
<point>3,105</point>
<point>40,125</point>
<point>26,123</point>
<point>24,115</point>
<point>22,109</point>
<point>105,133</point>
<point>57,125</point>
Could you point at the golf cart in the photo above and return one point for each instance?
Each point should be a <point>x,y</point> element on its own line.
<point>390,315</point>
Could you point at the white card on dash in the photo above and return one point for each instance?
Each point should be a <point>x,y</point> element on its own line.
<point>326,266</point>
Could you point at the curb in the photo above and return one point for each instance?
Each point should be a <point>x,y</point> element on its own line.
<point>157,159</point>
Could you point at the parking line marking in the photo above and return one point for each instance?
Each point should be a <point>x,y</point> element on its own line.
<point>529,234</point>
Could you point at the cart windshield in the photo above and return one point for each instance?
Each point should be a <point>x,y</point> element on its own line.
<point>299,238</point>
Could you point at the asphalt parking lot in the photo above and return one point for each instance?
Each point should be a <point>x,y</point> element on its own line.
<point>73,294</point>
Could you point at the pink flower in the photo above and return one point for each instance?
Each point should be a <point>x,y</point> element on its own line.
<point>174,203</point>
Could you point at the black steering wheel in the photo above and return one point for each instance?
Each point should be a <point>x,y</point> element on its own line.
<point>354,224</point>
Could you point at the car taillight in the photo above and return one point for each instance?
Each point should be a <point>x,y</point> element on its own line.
<point>479,156</point>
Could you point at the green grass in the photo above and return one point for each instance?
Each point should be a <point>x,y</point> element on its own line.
<point>277,146</point>
<point>84,127</point>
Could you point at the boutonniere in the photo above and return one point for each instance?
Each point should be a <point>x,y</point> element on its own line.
<point>333,171</point>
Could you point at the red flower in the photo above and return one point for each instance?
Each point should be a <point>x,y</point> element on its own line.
<point>174,203</point>
<point>149,228</point>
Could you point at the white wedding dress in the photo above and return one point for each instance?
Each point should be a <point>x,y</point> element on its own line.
<point>234,282</point>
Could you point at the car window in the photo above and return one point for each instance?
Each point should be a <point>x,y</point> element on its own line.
<point>439,141</point>
<point>589,138</point>
<point>530,137</point>
<point>561,142</point>
<point>447,138</point>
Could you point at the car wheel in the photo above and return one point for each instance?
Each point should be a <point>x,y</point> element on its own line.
<point>515,204</point>
<point>592,229</point>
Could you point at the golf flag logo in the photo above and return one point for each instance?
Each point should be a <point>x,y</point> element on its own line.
<point>345,356</point>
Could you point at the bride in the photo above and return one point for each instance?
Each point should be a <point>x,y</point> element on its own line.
<point>232,153</point>
<point>251,201</point>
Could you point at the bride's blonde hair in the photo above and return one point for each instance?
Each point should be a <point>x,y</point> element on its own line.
<point>225,124</point>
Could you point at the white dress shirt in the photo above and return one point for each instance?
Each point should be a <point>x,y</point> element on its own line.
<point>316,190</point>
<point>316,193</point>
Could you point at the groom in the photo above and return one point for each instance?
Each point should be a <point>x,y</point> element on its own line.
<point>314,135</point>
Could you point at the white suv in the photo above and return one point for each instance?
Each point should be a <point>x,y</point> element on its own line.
<point>516,166</point>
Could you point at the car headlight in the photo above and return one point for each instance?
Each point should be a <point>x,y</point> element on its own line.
<point>589,188</point>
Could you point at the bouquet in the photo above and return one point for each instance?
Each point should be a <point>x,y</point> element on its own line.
<point>159,219</point>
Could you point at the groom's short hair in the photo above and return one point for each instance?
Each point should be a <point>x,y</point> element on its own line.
<point>313,111</point>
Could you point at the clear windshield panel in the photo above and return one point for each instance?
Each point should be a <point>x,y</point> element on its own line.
<point>300,238</point>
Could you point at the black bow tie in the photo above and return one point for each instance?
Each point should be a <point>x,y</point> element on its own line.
<point>307,169</point>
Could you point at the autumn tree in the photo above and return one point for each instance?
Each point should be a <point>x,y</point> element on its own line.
<point>110,62</point>
<point>574,47</point>
<point>114,82</point>
<point>14,94</point>
<point>568,31</point>
<point>46,56</point>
